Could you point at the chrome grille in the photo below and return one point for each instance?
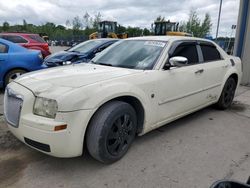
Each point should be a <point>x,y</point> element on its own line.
<point>12,107</point>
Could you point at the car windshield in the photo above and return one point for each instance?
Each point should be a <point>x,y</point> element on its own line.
<point>85,46</point>
<point>134,54</point>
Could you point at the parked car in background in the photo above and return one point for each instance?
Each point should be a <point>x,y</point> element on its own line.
<point>28,40</point>
<point>82,52</point>
<point>134,86</point>
<point>16,60</point>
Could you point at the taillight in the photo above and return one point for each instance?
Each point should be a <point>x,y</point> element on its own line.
<point>46,47</point>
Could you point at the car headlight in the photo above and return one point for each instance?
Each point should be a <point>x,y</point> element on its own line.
<point>45,107</point>
<point>40,56</point>
<point>67,63</point>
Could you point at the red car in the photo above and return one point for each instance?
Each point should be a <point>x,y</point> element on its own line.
<point>27,40</point>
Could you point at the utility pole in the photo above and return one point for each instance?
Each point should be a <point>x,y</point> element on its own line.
<point>218,22</point>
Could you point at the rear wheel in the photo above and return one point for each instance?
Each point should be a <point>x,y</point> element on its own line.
<point>111,131</point>
<point>227,94</point>
<point>12,75</point>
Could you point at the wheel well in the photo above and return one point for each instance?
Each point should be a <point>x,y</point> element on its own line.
<point>136,104</point>
<point>235,77</point>
<point>12,70</point>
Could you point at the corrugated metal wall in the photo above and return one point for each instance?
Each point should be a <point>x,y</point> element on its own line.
<point>242,43</point>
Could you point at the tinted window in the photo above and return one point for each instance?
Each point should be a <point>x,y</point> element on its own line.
<point>3,48</point>
<point>37,38</point>
<point>189,51</point>
<point>210,53</point>
<point>14,38</point>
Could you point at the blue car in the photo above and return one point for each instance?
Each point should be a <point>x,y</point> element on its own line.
<point>82,52</point>
<point>16,60</point>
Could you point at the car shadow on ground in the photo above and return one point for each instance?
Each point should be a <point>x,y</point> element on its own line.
<point>27,157</point>
<point>88,162</point>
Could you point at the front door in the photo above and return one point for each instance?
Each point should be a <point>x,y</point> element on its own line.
<point>179,89</point>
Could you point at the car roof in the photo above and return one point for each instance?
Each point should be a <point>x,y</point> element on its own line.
<point>168,38</point>
<point>107,39</point>
<point>17,33</point>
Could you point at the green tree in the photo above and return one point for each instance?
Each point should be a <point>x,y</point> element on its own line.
<point>97,19</point>
<point>86,18</point>
<point>24,27</point>
<point>146,32</point>
<point>6,26</point>
<point>195,26</point>
<point>121,29</point>
<point>76,23</point>
<point>206,25</point>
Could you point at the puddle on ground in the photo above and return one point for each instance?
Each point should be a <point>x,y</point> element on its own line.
<point>11,169</point>
<point>238,106</point>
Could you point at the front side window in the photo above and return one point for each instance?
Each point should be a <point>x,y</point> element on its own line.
<point>210,53</point>
<point>133,54</point>
<point>188,51</point>
<point>3,48</point>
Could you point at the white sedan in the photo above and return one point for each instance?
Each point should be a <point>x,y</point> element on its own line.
<point>129,89</point>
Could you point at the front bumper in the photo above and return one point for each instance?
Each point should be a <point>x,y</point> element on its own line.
<point>38,132</point>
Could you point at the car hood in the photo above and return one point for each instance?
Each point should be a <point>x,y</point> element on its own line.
<point>63,56</point>
<point>72,76</point>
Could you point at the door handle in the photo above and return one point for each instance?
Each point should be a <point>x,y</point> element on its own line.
<point>199,71</point>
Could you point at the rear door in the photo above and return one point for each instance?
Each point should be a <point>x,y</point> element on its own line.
<point>215,68</point>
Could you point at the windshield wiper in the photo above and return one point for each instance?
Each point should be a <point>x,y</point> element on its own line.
<point>106,64</point>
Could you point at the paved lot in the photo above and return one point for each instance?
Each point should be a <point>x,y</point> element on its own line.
<point>191,152</point>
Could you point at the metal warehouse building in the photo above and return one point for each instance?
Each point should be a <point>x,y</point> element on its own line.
<point>242,42</point>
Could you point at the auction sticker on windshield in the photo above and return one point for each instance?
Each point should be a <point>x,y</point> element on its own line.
<point>155,43</point>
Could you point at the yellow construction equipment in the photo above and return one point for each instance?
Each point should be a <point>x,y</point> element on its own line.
<point>168,28</point>
<point>107,29</point>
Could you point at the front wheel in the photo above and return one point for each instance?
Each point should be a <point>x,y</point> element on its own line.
<point>111,131</point>
<point>227,94</point>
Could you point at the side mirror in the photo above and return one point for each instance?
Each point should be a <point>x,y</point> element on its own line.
<point>178,61</point>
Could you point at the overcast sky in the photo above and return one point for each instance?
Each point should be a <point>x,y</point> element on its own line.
<point>139,13</point>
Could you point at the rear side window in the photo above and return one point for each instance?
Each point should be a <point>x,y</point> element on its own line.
<point>3,48</point>
<point>210,53</point>
<point>14,38</point>
<point>189,51</point>
<point>37,38</point>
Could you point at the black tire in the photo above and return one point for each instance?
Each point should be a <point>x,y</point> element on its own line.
<point>227,94</point>
<point>13,74</point>
<point>111,131</point>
